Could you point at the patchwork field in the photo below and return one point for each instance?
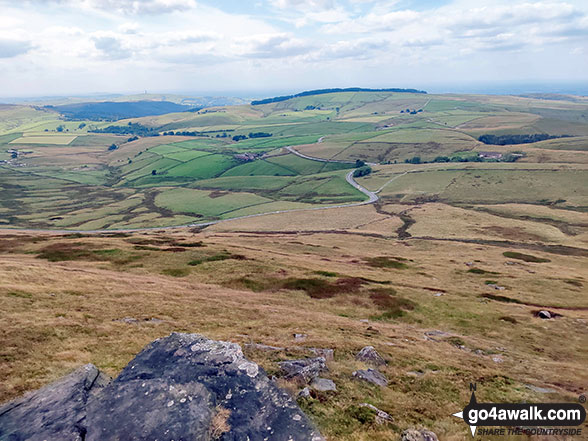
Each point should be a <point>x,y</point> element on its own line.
<point>56,172</point>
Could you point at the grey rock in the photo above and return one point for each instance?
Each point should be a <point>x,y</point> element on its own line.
<point>176,388</point>
<point>546,315</point>
<point>497,359</point>
<point>495,286</point>
<point>323,385</point>
<point>305,370</point>
<point>381,416</point>
<point>127,320</point>
<point>262,347</point>
<point>371,376</point>
<point>369,355</point>
<point>327,354</point>
<point>54,412</point>
<point>418,435</point>
<point>173,387</point>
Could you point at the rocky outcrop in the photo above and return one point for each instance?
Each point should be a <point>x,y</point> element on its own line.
<point>184,386</point>
<point>304,370</point>
<point>55,412</point>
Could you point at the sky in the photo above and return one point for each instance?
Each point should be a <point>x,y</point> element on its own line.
<point>69,47</point>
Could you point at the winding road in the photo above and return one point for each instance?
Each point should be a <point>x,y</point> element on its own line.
<point>314,158</point>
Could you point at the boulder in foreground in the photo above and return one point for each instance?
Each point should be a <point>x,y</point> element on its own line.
<point>184,386</point>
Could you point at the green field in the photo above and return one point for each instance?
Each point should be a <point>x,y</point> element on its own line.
<point>45,139</point>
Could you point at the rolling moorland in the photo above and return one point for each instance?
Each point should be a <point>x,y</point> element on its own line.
<point>444,274</point>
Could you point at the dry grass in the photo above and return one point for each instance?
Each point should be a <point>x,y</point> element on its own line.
<point>220,423</point>
<point>60,314</point>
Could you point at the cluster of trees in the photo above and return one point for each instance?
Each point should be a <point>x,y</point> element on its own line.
<point>508,157</point>
<point>260,135</point>
<point>517,139</point>
<point>130,129</point>
<point>362,171</point>
<point>277,99</point>
<point>184,133</point>
<point>132,138</point>
<point>412,112</point>
<point>252,135</point>
<point>193,133</point>
<point>112,147</point>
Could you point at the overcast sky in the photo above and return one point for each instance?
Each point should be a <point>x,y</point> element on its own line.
<point>50,47</point>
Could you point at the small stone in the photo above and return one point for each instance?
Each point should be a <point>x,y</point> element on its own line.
<point>364,321</point>
<point>304,393</point>
<point>418,435</point>
<point>540,390</point>
<point>432,335</point>
<point>545,315</point>
<point>415,373</point>
<point>154,320</point>
<point>381,416</point>
<point>300,337</point>
<point>438,294</point>
<point>371,376</point>
<point>327,354</point>
<point>369,355</point>
<point>323,385</point>
<point>262,347</point>
<point>127,320</point>
<point>497,359</point>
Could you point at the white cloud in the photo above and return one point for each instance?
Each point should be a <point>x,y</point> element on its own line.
<point>180,41</point>
<point>13,48</point>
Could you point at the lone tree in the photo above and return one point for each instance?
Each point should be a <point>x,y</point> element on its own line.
<point>362,171</point>
<point>359,163</point>
<point>153,172</point>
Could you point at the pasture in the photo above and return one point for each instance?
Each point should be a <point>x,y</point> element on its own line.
<point>89,176</point>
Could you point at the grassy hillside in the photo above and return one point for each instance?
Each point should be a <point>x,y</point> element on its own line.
<point>444,274</point>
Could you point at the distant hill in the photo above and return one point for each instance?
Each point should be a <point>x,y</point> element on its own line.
<point>112,111</point>
<point>324,91</point>
<point>188,100</point>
